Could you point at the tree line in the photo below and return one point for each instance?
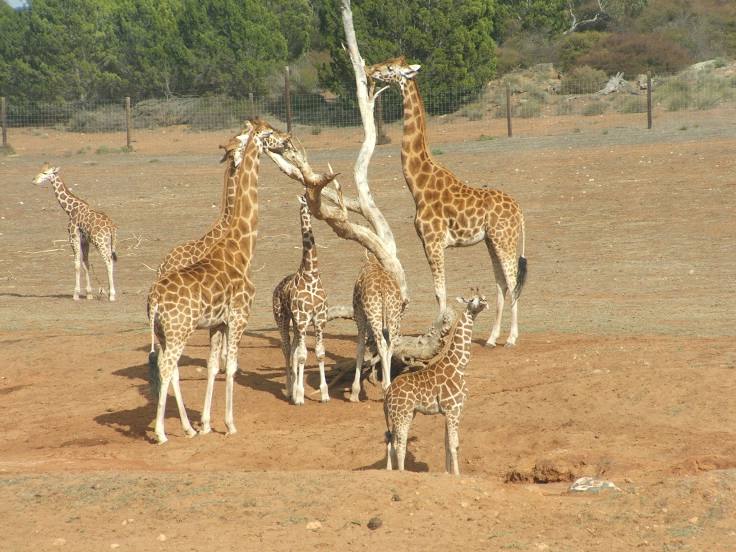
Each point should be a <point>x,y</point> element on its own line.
<point>90,50</point>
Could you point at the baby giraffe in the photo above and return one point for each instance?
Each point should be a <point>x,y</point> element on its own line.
<point>300,299</point>
<point>85,226</point>
<point>437,389</point>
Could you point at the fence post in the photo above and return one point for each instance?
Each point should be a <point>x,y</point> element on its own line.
<point>381,137</point>
<point>508,109</point>
<point>649,99</point>
<point>4,121</point>
<point>128,140</point>
<point>287,99</point>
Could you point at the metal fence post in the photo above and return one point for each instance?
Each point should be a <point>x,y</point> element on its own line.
<point>287,99</point>
<point>4,121</point>
<point>508,109</point>
<point>649,99</point>
<point>128,140</point>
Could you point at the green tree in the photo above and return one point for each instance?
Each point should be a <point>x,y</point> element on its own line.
<point>451,40</point>
<point>297,23</point>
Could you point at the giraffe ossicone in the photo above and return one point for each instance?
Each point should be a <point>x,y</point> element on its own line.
<point>85,226</point>
<point>450,213</point>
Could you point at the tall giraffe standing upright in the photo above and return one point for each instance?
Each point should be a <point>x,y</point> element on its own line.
<point>452,214</point>
<point>190,252</point>
<point>437,389</point>
<point>299,300</point>
<point>85,225</point>
<point>216,292</point>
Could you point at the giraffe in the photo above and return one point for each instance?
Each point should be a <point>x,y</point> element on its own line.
<point>452,214</point>
<point>85,226</point>
<point>190,252</point>
<point>216,292</point>
<point>300,299</point>
<point>437,389</point>
<point>377,309</point>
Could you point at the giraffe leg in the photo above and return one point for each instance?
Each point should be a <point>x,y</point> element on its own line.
<point>319,351</point>
<point>217,336</point>
<point>107,257</point>
<point>75,242</point>
<point>300,358</point>
<point>385,351</point>
<point>188,429</point>
<point>452,422</point>
<point>282,321</point>
<point>435,252</point>
<point>400,438</point>
<point>448,456</point>
<point>358,361</point>
<point>501,288</point>
<point>167,362</point>
<point>235,331</point>
<point>85,265</point>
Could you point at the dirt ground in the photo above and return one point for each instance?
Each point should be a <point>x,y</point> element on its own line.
<point>625,367</point>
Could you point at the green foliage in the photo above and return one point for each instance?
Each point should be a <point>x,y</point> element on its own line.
<point>451,40</point>
<point>574,45</point>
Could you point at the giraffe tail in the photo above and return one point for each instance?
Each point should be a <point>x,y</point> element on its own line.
<point>113,243</point>
<point>521,269</point>
<point>384,319</point>
<point>154,376</point>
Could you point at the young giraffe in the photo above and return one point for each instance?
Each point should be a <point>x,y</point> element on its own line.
<point>377,309</point>
<point>452,214</point>
<point>85,225</point>
<point>437,389</point>
<point>298,300</point>
<point>216,292</point>
<point>190,252</point>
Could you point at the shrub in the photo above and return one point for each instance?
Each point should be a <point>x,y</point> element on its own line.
<point>678,103</point>
<point>103,119</point>
<point>574,45</point>
<point>529,109</point>
<point>631,104</point>
<point>582,80</point>
<point>595,108</point>
<point>634,54</point>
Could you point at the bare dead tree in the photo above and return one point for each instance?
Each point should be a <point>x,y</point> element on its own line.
<point>600,18</point>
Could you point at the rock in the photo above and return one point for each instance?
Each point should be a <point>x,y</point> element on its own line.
<point>161,537</point>
<point>592,485</point>
<point>374,523</point>
<point>314,525</point>
<point>59,542</point>
<point>395,498</point>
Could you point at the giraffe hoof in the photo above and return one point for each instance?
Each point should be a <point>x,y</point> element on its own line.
<point>112,298</point>
<point>490,343</point>
<point>204,430</point>
<point>161,439</point>
<point>75,297</point>
<point>510,344</point>
<point>354,398</point>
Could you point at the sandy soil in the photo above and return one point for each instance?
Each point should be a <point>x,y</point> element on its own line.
<point>625,368</point>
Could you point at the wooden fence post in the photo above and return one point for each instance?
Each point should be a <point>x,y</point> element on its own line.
<point>649,99</point>
<point>128,139</point>
<point>508,110</point>
<point>4,121</point>
<point>287,99</point>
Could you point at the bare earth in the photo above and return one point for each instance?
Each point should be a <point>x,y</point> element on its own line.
<point>625,366</point>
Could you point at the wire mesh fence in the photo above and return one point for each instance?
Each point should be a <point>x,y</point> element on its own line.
<point>535,102</point>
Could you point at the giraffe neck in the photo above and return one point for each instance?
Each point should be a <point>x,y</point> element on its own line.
<point>245,201</point>
<point>414,150</point>
<point>460,345</point>
<point>309,248</point>
<point>68,201</point>
<point>229,192</point>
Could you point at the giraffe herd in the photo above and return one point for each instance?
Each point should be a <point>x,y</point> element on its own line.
<point>207,283</point>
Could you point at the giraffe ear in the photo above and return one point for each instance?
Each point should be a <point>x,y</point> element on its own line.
<point>460,300</point>
<point>55,170</point>
<point>410,72</point>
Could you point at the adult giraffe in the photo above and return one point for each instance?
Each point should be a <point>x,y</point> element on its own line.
<point>452,214</point>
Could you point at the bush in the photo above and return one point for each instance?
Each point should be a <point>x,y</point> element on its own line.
<point>634,54</point>
<point>529,109</point>
<point>631,104</point>
<point>595,108</point>
<point>103,119</point>
<point>582,80</point>
<point>678,103</point>
<point>574,45</point>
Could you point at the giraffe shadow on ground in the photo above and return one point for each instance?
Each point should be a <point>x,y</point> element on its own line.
<point>410,462</point>
<point>42,296</point>
<point>134,423</point>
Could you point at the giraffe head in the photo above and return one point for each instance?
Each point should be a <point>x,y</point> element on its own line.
<point>395,70</point>
<point>268,138</point>
<point>475,304</point>
<point>46,174</point>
